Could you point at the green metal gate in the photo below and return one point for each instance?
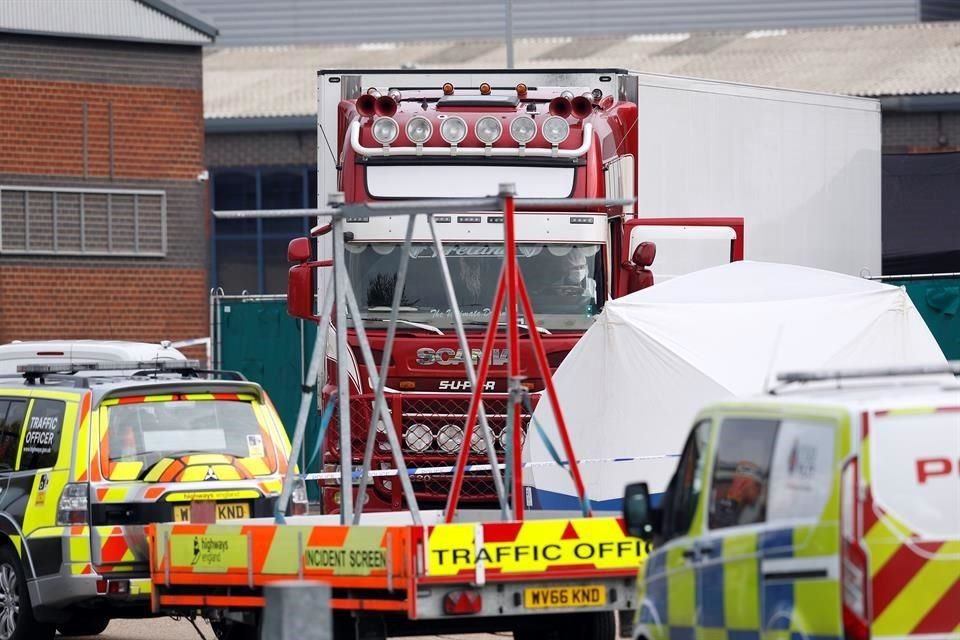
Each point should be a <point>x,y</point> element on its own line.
<point>255,336</point>
<point>937,298</point>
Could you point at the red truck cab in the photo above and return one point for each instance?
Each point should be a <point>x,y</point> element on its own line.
<point>412,135</point>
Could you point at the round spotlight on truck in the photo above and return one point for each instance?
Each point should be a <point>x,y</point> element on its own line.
<point>488,129</point>
<point>453,130</point>
<point>385,130</point>
<point>419,129</point>
<point>555,129</point>
<point>450,438</point>
<point>417,437</point>
<point>476,441</point>
<point>523,129</point>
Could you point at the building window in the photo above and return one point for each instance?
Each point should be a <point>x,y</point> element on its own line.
<point>250,255</point>
<point>81,221</point>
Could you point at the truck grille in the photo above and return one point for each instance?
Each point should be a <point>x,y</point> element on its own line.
<point>430,428</point>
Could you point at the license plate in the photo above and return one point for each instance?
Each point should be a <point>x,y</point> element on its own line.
<point>565,597</point>
<point>224,511</point>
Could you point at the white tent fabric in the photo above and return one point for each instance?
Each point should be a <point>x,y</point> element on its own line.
<point>633,384</point>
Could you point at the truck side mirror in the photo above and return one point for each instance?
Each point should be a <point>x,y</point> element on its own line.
<point>301,280</point>
<point>637,513</point>
<point>639,274</point>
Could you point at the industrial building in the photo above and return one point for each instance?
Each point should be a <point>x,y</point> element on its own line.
<point>261,140</point>
<point>103,212</point>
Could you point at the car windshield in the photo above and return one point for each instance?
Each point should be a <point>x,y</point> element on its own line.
<point>148,432</point>
<point>564,281</point>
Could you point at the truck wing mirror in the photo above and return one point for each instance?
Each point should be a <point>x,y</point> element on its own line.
<point>301,280</point>
<point>637,512</point>
<point>639,275</point>
<point>298,251</point>
<point>645,254</point>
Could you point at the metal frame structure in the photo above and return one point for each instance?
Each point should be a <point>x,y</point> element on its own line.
<point>338,299</point>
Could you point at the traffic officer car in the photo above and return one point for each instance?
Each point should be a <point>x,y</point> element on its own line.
<point>89,456</point>
<point>828,510</point>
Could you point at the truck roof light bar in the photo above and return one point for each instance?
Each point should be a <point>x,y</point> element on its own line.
<point>949,368</point>
<point>448,152</point>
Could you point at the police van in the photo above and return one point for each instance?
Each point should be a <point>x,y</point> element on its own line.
<point>827,509</point>
<point>91,454</point>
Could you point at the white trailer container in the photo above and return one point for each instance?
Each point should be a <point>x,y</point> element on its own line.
<point>802,169</point>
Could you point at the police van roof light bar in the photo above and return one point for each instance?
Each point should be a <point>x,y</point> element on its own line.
<point>951,368</point>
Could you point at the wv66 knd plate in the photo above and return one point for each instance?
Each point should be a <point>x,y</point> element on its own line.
<point>223,511</point>
<point>581,596</point>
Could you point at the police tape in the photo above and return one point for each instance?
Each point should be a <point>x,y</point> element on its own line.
<point>425,471</point>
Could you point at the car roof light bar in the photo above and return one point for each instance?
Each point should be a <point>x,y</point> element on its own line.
<point>950,368</point>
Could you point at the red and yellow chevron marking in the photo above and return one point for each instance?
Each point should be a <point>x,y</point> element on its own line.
<point>114,549</point>
<point>915,582</point>
<point>538,546</point>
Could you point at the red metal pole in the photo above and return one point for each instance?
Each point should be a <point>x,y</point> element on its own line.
<point>544,367</point>
<point>476,396</point>
<point>513,339</point>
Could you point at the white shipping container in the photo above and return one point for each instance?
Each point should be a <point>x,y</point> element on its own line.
<point>802,169</point>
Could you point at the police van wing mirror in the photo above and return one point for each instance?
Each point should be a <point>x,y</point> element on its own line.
<point>637,513</point>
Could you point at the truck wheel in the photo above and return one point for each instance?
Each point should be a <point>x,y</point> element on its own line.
<point>230,630</point>
<point>90,624</point>
<point>16,612</point>
<point>592,626</point>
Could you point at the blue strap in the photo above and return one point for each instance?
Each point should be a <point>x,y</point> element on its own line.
<point>585,502</point>
<point>324,423</point>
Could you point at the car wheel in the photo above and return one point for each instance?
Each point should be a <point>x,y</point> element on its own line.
<point>16,612</point>
<point>89,624</point>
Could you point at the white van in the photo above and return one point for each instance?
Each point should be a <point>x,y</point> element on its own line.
<point>19,353</point>
<point>828,509</point>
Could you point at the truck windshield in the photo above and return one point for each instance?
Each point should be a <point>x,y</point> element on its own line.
<point>564,281</point>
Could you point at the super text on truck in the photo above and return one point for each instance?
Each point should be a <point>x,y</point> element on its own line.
<point>555,134</point>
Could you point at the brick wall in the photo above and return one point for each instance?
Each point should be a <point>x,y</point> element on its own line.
<point>919,132</point>
<point>113,115</point>
<point>258,149</point>
<point>46,302</point>
<point>94,130</point>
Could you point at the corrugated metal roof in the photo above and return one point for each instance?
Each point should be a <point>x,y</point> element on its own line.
<point>918,59</point>
<point>139,20</point>
<point>283,22</point>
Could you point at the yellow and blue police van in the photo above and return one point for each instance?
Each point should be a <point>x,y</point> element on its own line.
<point>827,509</point>
<point>90,454</point>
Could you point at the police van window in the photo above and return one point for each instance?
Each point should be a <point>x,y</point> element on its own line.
<point>42,440</point>
<point>801,478</point>
<point>741,473</point>
<point>683,492</point>
<point>11,422</point>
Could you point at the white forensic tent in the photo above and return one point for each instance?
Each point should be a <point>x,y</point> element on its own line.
<point>633,384</point>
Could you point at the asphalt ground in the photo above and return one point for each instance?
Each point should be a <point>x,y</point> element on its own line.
<point>168,629</point>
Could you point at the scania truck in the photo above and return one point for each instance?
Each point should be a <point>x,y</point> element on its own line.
<point>718,171</point>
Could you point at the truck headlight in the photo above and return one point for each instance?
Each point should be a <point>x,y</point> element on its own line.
<point>450,437</point>
<point>385,130</point>
<point>418,437</point>
<point>555,129</point>
<point>419,129</point>
<point>453,130</point>
<point>488,129</point>
<point>523,129</point>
